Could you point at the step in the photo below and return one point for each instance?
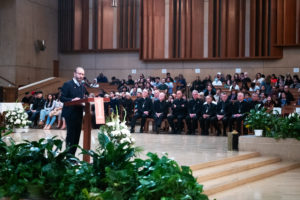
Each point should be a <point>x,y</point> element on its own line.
<point>234,167</point>
<point>224,161</point>
<point>241,178</point>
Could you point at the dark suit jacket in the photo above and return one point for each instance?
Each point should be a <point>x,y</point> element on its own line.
<point>240,107</point>
<point>179,107</point>
<point>38,104</point>
<point>209,109</point>
<point>160,107</point>
<point>224,108</point>
<point>70,91</point>
<point>144,105</point>
<point>194,106</point>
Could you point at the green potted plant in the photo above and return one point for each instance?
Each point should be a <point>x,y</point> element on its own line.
<point>259,120</point>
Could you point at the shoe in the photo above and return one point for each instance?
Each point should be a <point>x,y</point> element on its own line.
<point>132,130</point>
<point>157,130</point>
<point>41,123</point>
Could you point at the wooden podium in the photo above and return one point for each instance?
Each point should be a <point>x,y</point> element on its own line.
<point>87,121</point>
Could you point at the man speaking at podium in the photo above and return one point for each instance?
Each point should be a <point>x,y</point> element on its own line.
<point>71,91</point>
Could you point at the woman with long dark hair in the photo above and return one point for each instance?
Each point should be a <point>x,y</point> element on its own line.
<point>49,106</point>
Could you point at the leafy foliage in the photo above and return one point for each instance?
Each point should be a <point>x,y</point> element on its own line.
<point>273,124</point>
<point>115,173</point>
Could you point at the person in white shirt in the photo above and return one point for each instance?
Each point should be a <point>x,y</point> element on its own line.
<point>94,84</point>
<point>234,86</point>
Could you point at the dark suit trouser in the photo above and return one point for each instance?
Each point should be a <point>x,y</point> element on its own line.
<point>238,121</point>
<point>191,123</point>
<point>158,120</point>
<point>137,116</point>
<point>225,121</point>
<point>179,124</point>
<point>205,124</point>
<point>74,123</point>
<point>33,115</point>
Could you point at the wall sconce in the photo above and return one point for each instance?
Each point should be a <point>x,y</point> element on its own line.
<point>40,45</point>
<point>114,3</point>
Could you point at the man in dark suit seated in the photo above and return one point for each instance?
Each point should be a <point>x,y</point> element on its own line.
<point>194,109</point>
<point>143,109</point>
<point>208,115</point>
<point>179,111</point>
<point>37,106</point>
<point>239,110</point>
<point>255,101</point>
<point>160,111</point>
<point>73,90</point>
<point>223,112</point>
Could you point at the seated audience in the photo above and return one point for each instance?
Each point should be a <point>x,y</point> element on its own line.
<point>208,115</point>
<point>270,104</point>
<point>239,110</point>
<point>210,90</point>
<point>27,98</point>
<point>101,78</point>
<point>142,109</point>
<point>283,100</point>
<point>163,86</point>
<point>36,108</point>
<point>197,85</point>
<point>258,78</point>
<point>169,76</point>
<point>56,112</point>
<point>234,86</point>
<point>170,85</point>
<point>130,81</point>
<point>223,112</point>
<point>48,107</point>
<point>160,111</point>
<point>296,82</point>
<point>179,111</point>
<point>255,101</point>
<point>288,94</point>
<point>194,111</point>
<point>216,97</point>
<point>94,84</point>
<point>233,95</point>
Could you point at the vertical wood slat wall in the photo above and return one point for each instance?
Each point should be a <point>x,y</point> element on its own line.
<point>66,25</point>
<point>142,24</point>
<point>74,25</point>
<point>288,30</point>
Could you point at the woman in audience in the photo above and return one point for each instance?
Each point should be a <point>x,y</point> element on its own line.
<point>236,78</point>
<point>273,79</point>
<point>283,100</point>
<point>227,84</point>
<point>258,78</point>
<point>49,106</point>
<point>210,90</point>
<point>269,103</point>
<point>281,81</point>
<point>275,100</point>
<point>56,112</point>
<point>234,86</point>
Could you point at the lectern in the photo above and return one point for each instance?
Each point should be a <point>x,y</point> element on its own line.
<point>87,121</point>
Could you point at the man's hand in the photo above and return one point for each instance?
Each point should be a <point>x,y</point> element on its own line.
<point>220,117</point>
<point>192,115</point>
<point>76,98</point>
<point>33,110</point>
<point>205,116</point>
<point>146,112</point>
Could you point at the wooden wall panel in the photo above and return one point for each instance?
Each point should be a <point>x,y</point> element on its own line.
<point>197,30</point>
<point>224,28</point>
<point>233,28</point>
<point>158,47</point>
<point>107,24</point>
<point>77,24</point>
<point>290,9</point>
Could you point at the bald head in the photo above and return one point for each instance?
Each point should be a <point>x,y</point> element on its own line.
<point>79,74</point>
